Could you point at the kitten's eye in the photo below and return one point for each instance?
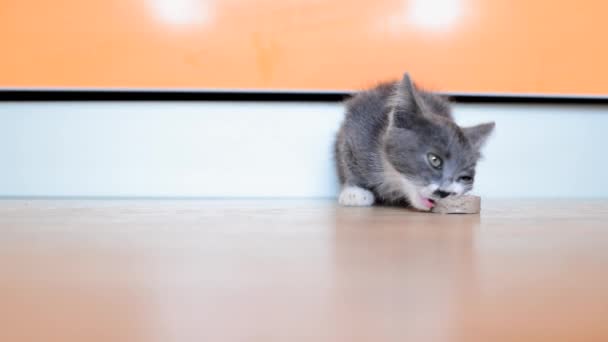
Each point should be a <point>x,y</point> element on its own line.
<point>435,161</point>
<point>465,179</point>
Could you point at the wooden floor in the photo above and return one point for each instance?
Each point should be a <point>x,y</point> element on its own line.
<point>301,271</point>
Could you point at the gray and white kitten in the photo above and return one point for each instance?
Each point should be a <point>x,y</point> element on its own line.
<point>400,145</point>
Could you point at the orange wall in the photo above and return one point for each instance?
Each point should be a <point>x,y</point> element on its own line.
<point>516,46</point>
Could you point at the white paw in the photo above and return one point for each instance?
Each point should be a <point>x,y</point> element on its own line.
<point>354,196</point>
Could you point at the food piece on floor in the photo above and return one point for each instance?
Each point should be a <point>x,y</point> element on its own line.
<point>467,204</point>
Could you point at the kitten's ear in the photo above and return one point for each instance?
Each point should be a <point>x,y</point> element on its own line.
<point>478,135</point>
<point>405,103</point>
<point>406,95</point>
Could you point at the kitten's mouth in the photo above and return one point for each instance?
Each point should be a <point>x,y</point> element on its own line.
<point>428,202</point>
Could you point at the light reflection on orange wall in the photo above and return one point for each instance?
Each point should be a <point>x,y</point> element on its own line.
<point>515,46</point>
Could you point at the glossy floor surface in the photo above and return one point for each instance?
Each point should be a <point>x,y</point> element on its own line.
<point>301,271</point>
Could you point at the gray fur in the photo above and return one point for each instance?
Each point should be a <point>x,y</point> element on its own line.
<point>387,134</point>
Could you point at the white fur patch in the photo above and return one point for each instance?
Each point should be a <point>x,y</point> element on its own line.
<point>391,120</point>
<point>394,183</point>
<point>354,196</point>
<point>456,188</point>
<point>414,194</point>
<point>428,190</point>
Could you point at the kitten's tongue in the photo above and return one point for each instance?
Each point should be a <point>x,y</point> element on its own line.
<point>428,202</point>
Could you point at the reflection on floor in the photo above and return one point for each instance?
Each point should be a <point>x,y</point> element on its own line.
<point>301,271</point>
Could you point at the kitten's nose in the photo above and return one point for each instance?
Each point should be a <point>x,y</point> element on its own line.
<point>442,194</point>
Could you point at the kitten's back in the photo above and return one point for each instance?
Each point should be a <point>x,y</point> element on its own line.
<point>366,111</point>
<point>374,103</point>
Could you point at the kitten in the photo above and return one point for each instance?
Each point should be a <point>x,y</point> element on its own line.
<point>400,145</point>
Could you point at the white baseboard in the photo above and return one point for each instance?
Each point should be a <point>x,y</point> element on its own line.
<point>251,149</point>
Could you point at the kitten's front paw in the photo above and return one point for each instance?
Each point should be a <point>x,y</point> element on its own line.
<point>354,196</point>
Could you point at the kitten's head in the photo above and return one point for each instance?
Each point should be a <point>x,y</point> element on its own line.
<point>434,157</point>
